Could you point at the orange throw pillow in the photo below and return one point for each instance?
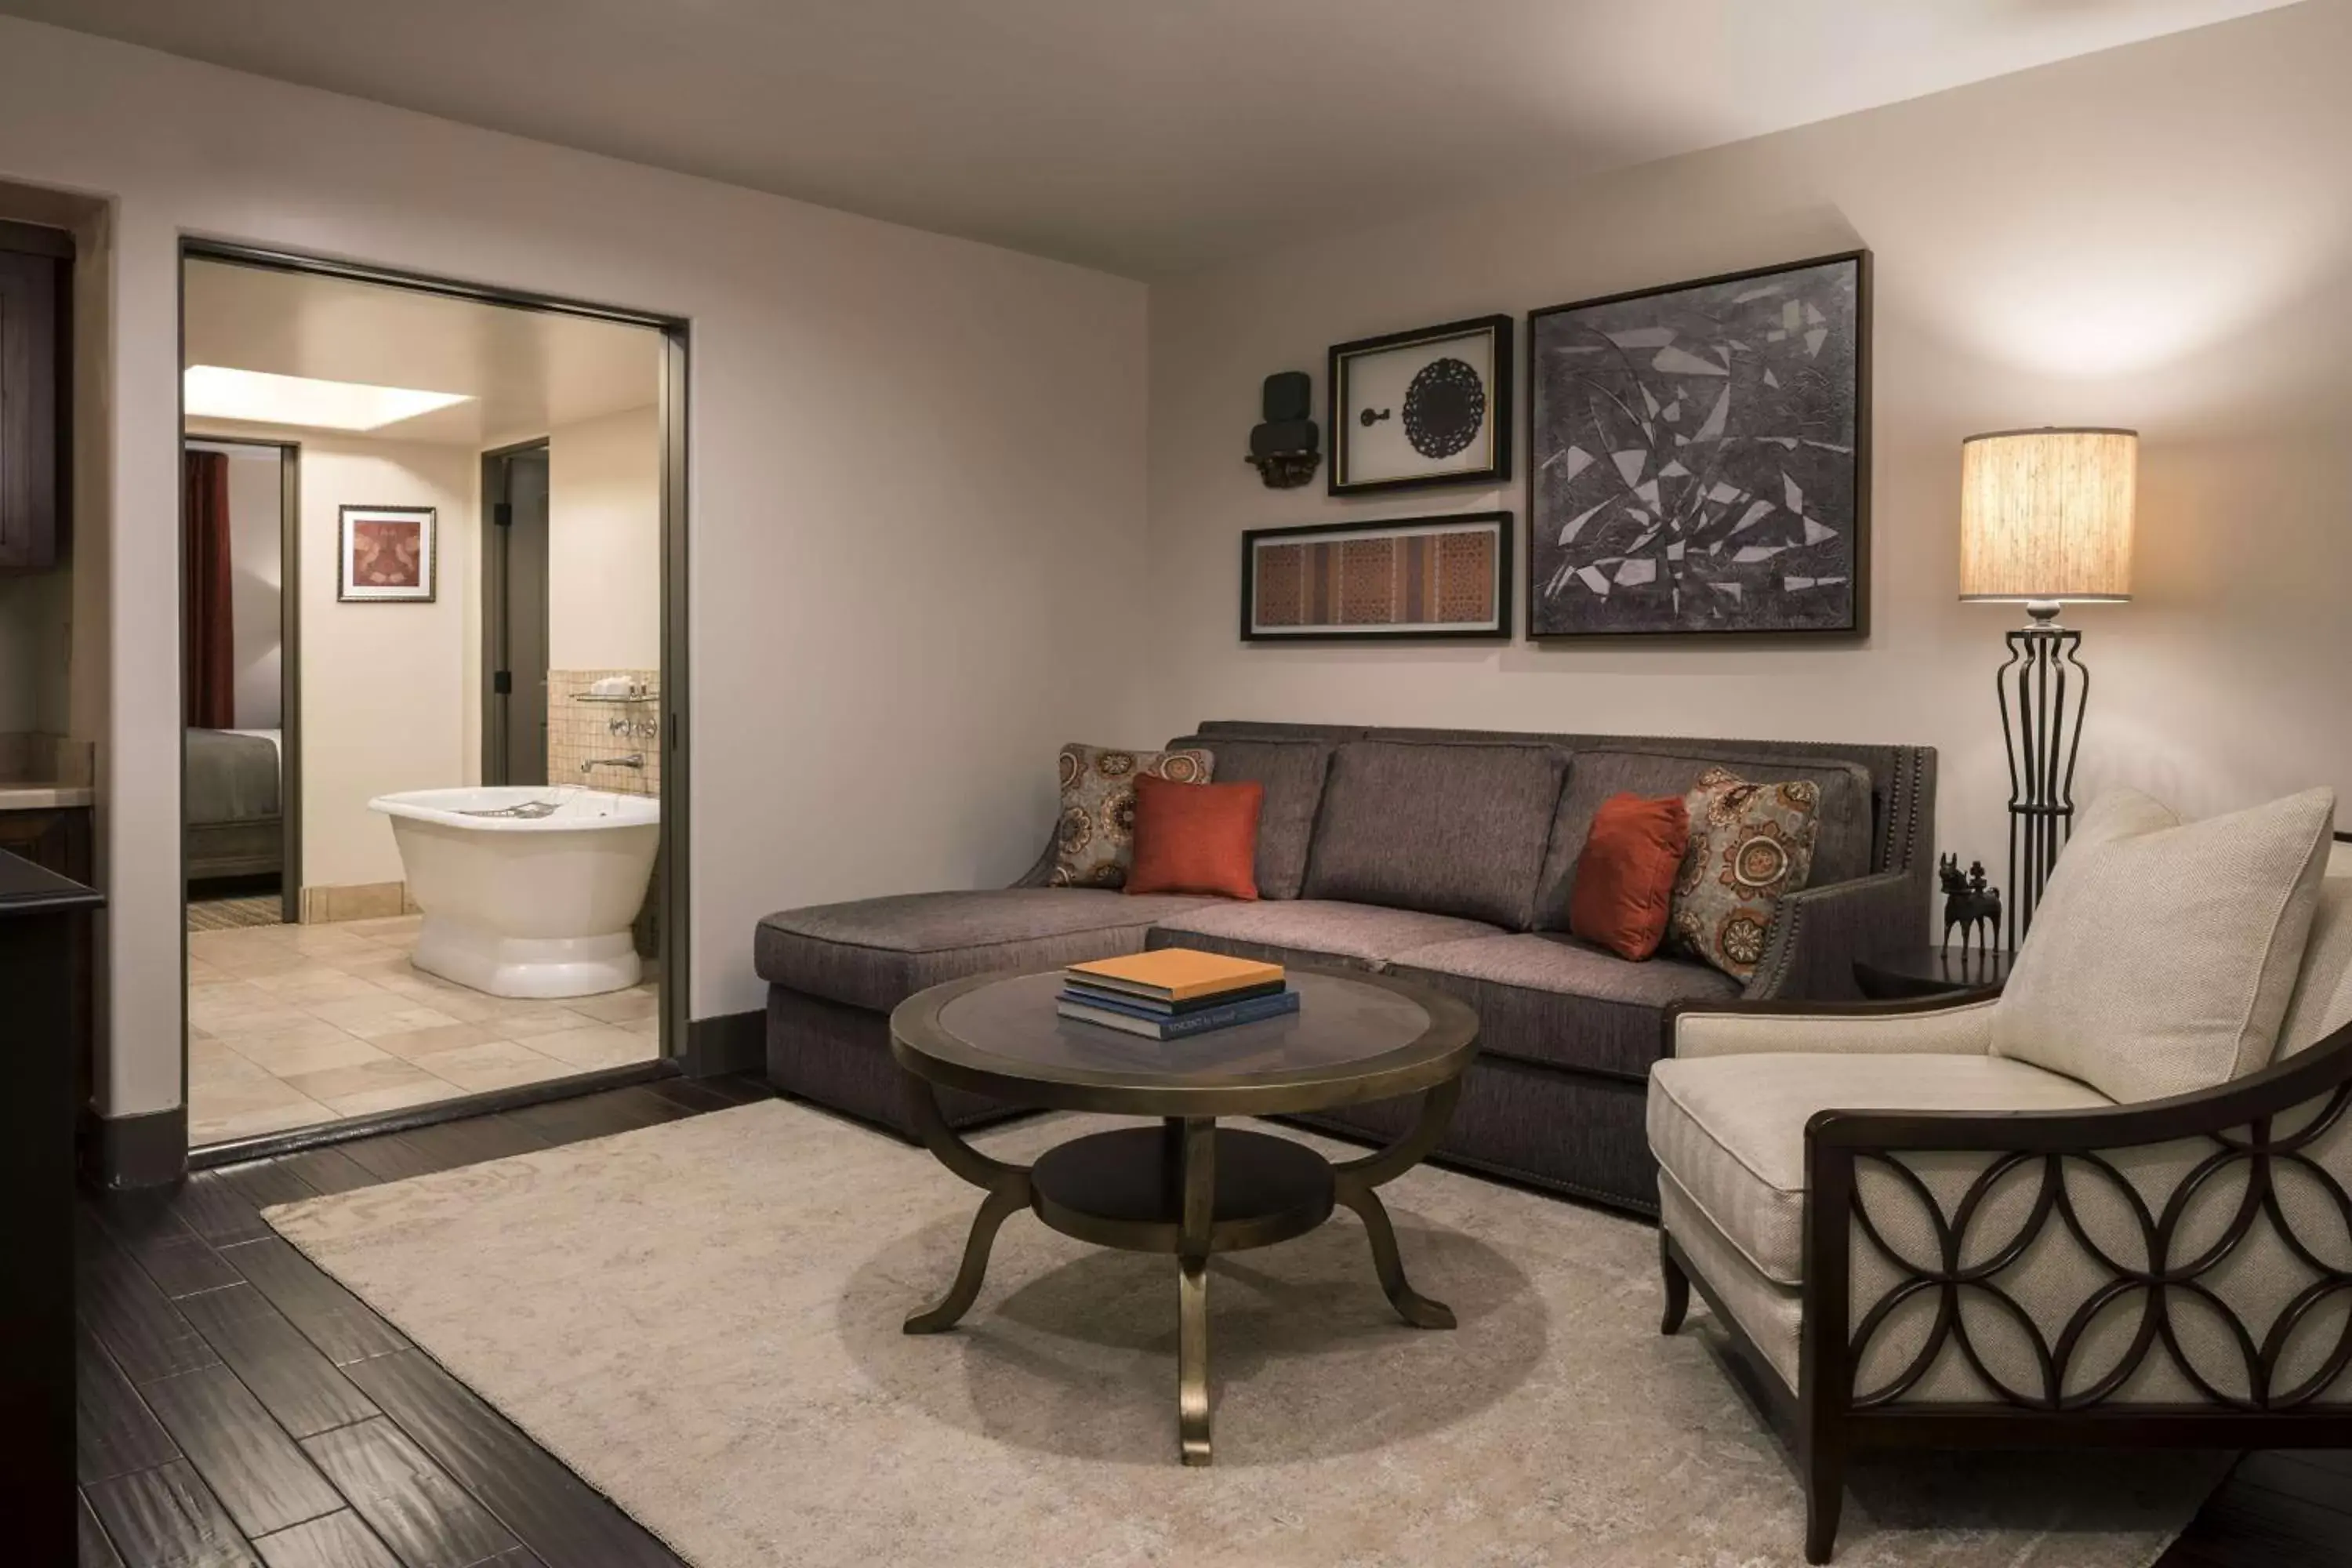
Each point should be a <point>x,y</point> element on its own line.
<point>1625,877</point>
<point>1196,838</point>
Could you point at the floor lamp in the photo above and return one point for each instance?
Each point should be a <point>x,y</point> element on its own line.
<point>2045,520</point>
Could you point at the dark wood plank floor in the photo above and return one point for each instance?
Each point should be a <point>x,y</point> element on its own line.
<point>239,1409</point>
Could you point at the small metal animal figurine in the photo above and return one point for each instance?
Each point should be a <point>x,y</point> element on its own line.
<point>1968,904</point>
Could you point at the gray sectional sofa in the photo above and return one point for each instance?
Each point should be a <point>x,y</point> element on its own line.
<point>1443,855</point>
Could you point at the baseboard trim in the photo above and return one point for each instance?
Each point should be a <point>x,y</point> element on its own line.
<point>730,1042</point>
<point>325,1133</point>
<point>119,1153</point>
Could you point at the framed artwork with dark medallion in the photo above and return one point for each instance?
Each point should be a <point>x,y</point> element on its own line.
<point>1700,459</point>
<point>1427,407</point>
<point>388,555</point>
<point>1407,577</point>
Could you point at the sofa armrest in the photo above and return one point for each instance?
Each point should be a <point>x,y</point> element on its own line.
<point>2070,1260</point>
<point>1817,932</point>
<point>1041,872</point>
<point>1937,1026</point>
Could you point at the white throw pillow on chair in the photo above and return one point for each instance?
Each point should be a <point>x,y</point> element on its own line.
<point>2163,954</point>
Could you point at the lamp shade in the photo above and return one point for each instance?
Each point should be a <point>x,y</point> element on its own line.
<point>2046,515</point>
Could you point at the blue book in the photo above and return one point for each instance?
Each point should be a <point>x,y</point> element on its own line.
<point>1076,990</point>
<point>1161,1026</point>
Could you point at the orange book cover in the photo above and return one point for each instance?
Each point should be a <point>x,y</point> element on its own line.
<point>1178,973</point>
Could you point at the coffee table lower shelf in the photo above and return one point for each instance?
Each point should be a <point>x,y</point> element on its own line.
<point>1190,1189</point>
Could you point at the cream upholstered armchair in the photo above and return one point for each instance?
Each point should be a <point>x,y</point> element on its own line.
<point>2111,1207</point>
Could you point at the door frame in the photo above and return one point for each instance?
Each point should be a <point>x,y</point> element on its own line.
<point>290,669</point>
<point>672,408</point>
<point>493,738</point>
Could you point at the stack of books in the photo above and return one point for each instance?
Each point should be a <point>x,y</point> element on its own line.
<point>1174,994</point>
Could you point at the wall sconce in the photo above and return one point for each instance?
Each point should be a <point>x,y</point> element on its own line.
<point>1286,449</point>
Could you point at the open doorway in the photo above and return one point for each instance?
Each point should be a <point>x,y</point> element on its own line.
<point>465,893</point>
<point>514,615</point>
<point>242,806</point>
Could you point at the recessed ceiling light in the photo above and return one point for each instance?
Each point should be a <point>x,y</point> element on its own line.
<point>216,392</point>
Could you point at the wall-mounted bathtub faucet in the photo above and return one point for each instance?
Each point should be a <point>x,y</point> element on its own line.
<point>634,759</point>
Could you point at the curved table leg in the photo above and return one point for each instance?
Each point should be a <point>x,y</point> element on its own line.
<point>1352,1185</point>
<point>1008,1193</point>
<point>1198,1136</point>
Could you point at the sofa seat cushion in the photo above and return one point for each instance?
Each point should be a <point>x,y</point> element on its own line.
<point>1547,997</point>
<point>1311,930</point>
<point>1730,1131</point>
<point>877,952</point>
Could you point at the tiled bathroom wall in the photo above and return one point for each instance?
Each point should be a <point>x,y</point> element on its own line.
<point>578,729</point>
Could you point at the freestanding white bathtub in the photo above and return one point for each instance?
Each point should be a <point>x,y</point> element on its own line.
<point>520,900</point>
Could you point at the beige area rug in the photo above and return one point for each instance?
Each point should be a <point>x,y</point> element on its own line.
<point>703,1319</point>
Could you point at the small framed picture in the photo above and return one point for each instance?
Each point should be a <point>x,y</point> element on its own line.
<point>1428,407</point>
<point>1408,577</point>
<point>389,555</point>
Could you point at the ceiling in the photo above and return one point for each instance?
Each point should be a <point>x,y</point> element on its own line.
<point>1146,138</point>
<point>525,371</point>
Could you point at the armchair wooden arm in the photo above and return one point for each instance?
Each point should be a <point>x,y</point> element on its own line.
<point>1956,1024</point>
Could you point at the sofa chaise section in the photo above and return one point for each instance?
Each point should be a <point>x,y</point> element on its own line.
<point>835,971</point>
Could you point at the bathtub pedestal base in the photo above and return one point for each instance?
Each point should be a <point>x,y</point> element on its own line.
<point>540,967</point>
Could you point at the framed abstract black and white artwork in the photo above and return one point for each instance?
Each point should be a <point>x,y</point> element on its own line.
<point>1427,407</point>
<point>1701,457</point>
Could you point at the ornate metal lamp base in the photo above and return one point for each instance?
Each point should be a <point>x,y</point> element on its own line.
<point>2043,732</point>
<point>1192,1189</point>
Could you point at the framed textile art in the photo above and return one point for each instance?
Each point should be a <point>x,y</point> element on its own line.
<point>1412,578</point>
<point>1701,457</point>
<point>388,555</point>
<point>1426,408</point>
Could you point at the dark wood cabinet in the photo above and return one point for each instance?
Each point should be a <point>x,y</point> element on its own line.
<point>35,370</point>
<point>60,839</point>
<point>41,917</point>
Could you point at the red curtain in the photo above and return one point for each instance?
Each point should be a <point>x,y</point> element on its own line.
<point>210,630</point>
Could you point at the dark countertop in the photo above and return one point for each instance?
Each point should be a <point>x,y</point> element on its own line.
<point>29,890</point>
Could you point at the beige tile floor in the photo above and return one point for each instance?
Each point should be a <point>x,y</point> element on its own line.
<point>288,1025</point>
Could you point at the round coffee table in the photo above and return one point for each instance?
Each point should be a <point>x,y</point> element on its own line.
<point>1187,1187</point>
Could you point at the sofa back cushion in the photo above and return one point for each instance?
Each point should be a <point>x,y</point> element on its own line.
<point>1841,850</point>
<point>1292,772</point>
<point>2163,955</point>
<point>1447,829</point>
<point>2323,993</point>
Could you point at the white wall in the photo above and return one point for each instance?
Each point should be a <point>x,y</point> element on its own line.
<point>917,499</point>
<point>603,549</point>
<point>384,684</point>
<point>2159,237</point>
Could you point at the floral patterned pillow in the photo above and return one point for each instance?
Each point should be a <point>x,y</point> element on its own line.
<point>1751,844</point>
<point>1096,838</point>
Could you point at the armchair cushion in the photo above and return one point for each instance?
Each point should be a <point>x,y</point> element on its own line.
<point>2163,955</point>
<point>1730,1131</point>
